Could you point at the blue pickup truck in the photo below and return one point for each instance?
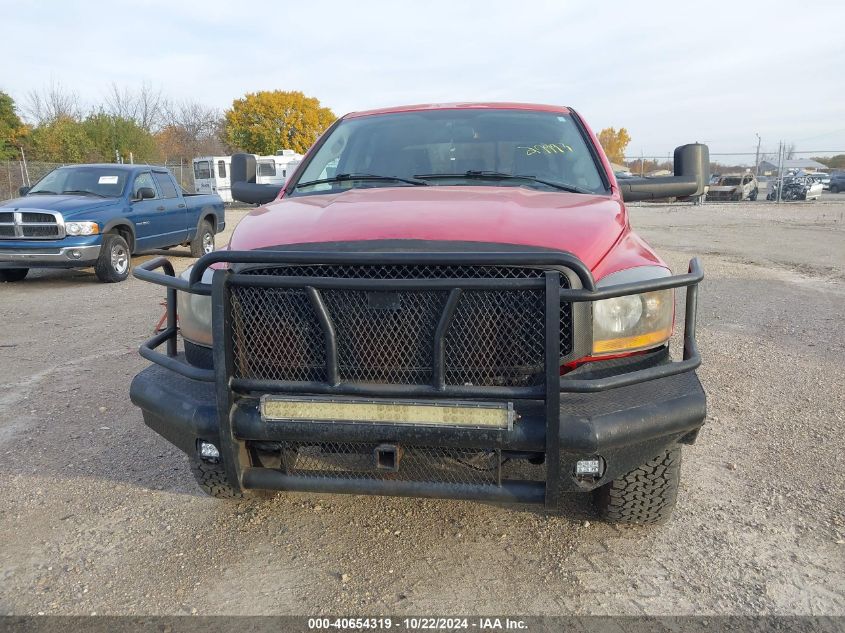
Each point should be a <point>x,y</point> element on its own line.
<point>99,215</point>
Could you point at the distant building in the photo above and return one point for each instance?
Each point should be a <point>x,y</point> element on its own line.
<point>803,164</point>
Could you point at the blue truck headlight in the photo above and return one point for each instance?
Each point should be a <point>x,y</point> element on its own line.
<point>82,228</point>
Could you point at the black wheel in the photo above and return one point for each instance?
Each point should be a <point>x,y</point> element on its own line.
<point>753,195</point>
<point>114,261</point>
<point>13,274</point>
<point>203,243</point>
<point>212,479</point>
<point>644,496</point>
<point>834,189</point>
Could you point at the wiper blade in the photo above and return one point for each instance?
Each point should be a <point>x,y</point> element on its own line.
<point>348,177</point>
<point>497,175</point>
<point>83,192</point>
<point>42,192</point>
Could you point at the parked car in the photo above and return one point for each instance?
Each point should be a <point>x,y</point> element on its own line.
<point>796,187</point>
<point>837,182</point>
<point>823,178</point>
<point>99,215</point>
<point>444,301</point>
<point>733,187</point>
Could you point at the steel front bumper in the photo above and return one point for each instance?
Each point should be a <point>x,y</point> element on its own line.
<point>623,411</point>
<point>42,256</point>
<point>625,426</point>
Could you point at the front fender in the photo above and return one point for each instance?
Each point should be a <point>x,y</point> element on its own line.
<point>123,222</point>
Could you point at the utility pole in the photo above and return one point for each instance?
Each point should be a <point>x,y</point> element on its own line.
<point>757,157</point>
<point>780,170</point>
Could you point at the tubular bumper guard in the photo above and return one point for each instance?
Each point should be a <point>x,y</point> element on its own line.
<point>627,417</point>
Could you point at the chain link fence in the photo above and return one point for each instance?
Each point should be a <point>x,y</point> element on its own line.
<point>15,174</point>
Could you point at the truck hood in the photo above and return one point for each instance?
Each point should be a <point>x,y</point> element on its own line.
<point>66,205</point>
<point>724,188</point>
<point>585,225</point>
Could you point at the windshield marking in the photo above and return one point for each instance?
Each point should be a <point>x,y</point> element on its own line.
<point>545,148</point>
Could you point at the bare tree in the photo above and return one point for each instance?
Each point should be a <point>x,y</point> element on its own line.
<point>145,106</point>
<point>51,103</point>
<point>191,129</point>
<point>789,151</point>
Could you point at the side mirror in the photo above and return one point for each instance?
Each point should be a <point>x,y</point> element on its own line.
<point>244,187</point>
<point>23,191</point>
<point>692,175</point>
<point>145,193</point>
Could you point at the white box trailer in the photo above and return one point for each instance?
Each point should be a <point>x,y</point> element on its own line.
<point>275,170</point>
<point>212,174</point>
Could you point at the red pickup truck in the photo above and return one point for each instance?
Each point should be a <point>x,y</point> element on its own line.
<point>442,301</point>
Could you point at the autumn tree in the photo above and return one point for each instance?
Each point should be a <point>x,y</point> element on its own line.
<point>12,129</point>
<point>832,162</point>
<point>614,143</point>
<point>62,140</point>
<point>268,121</point>
<point>110,136</point>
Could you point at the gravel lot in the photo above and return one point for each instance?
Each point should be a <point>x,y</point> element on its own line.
<point>100,515</point>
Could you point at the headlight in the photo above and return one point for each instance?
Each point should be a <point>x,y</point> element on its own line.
<point>195,312</point>
<point>633,322</point>
<point>81,228</point>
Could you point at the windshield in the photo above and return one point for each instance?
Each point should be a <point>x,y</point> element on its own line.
<point>480,147</point>
<point>104,182</point>
<point>730,182</point>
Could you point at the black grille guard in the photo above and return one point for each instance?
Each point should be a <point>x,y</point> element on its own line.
<point>550,283</point>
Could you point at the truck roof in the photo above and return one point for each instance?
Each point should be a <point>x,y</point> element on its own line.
<point>118,166</point>
<point>460,106</point>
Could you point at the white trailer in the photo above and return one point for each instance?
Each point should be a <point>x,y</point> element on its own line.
<point>212,173</point>
<point>275,170</point>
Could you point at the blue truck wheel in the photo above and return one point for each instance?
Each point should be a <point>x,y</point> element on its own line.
<point>114,261</point>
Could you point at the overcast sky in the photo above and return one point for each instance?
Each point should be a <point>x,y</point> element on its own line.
<point>670,72</point>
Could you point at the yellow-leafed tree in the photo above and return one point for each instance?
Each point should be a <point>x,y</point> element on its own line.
<point>268,121</point>
<point>614,143</point>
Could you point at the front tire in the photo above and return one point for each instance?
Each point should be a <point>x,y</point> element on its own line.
<point>644,496</point>
<point>834,189</point>
<point>13,274</point>
<point>203,242</point>
<point>114,261</point>
<point>753,196</point>
<point>213,481</point>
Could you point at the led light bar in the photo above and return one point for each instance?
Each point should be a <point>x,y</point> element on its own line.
<point>459,414</point>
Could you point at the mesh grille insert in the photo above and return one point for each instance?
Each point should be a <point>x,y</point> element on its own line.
<point>276,335</point>
<point>349,460</point>
<point>40,231</point>
<point>356,460</point>
<point>496,338</point>
<point>29,216</point>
